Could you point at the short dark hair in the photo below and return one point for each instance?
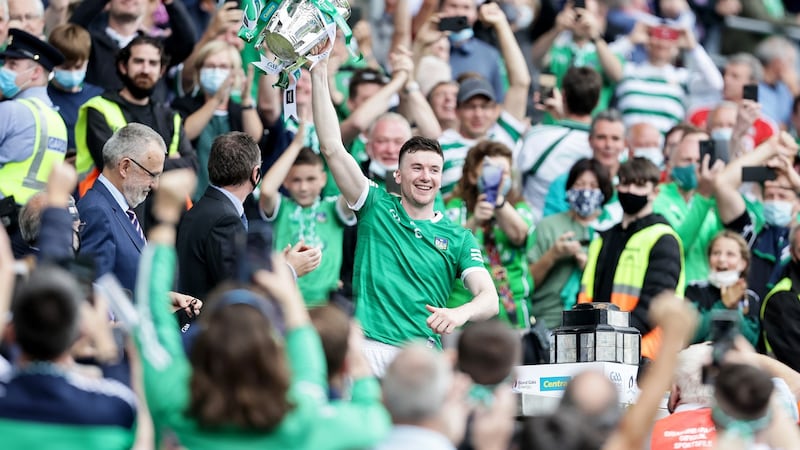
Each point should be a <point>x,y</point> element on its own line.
<point>638,171</point>
<point>46,311</point>
<point>307,156</point>
<point>420,144</point>
<point>232,159</point>
<point>600,171</point>
<point>581,87</point>
<point>124,55</point>
<point>743,390</point>
<point>333,327</point>
<point>366,75</point>
<point>488,351</point>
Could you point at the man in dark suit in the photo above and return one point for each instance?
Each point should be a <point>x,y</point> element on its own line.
<point>133,161</point>
<point>208,233</point>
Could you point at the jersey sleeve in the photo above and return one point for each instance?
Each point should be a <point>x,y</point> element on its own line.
<point>165,367</point>
<point>371,195</point>
<point>470,257</point>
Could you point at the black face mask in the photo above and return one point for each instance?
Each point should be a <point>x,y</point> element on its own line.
<point>631,203</point>
<point>137,92</point>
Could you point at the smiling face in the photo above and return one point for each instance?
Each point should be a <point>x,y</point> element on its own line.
<point>419,177</point>
<point>726,254</point>
<point>476,116</point>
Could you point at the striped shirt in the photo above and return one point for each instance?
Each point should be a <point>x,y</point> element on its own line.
<point>656,95</point>
<point>549,151</point>
<point>507,130</point>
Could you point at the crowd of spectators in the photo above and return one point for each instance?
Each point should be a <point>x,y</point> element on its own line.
<point>185,264</point>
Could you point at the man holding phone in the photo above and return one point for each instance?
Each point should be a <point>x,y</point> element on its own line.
<point>687,201</point>
<point>765,229</point>
<point>468,53</point>
<point>576,41</point>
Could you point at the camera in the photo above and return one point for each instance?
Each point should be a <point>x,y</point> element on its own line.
<point>724,329</point>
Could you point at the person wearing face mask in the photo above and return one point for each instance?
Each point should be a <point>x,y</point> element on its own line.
<point>726,287</point>
<point>208,111</point>
<point>687,202</point>
<point>33,137</point>
<point>485,202</point>
<point>68,89</point>
<point>140,65</point>
<point>764,224</point>
<point>558,249</point>
<point>638,258</point>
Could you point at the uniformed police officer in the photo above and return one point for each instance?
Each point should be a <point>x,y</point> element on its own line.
<point>33,136</point>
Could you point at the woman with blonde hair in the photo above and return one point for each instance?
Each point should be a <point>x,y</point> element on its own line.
<point>210,110</point>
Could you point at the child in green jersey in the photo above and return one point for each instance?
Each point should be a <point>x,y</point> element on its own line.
<point>305,216</point>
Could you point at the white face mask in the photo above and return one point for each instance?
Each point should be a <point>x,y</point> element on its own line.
<point>723,279</point>
<point>379,169</point>
<point>654,154</point>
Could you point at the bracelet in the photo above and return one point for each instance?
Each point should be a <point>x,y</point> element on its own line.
<point>501,204</point>
<point>250,106</point>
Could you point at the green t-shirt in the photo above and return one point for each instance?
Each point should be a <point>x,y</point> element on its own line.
<point>547,302</point>
<point>358,148</point>
<point>313,422</point>
<point>695,222</point>
<point>565,54</point>
<point>401,265</point>
<point>513,259</point>
<point>218,125</point>
<point>318,225</point>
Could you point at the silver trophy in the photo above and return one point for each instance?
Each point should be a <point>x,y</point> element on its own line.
<point>298,26</point>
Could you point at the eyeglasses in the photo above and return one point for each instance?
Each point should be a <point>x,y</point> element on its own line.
<point>154,176</point>
<point>24,17</point>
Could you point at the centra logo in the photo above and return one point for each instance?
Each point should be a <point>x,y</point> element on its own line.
<point>553,383</point>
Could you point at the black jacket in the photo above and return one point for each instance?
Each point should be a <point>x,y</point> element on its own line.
<point>781,320</point>
<point>157,116</point>
<point>663,272</point>
<point>207,244</point>
<point>102,69</point>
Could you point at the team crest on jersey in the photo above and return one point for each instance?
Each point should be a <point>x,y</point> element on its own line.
<point>322,217</point>
<point>440,243</point>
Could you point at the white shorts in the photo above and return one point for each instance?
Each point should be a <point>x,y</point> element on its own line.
<point>379,355</point>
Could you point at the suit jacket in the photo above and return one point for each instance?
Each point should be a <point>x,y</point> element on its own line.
<point>206,244</point>
<point>109,236</point>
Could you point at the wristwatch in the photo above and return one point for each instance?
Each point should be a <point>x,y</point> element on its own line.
<point>411,87</point>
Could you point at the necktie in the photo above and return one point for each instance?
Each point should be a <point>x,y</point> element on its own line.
<point>135,223</point>
<point>244,221</point>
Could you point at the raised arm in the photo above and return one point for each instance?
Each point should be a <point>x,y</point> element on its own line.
<point>519,80</point>
<point>677,319</point>
<point>346,172</point>
<point>564,21</point>
<point>367,112</point>
<point>277,173</point>
<point>413,105</point>
<point>730,203</point>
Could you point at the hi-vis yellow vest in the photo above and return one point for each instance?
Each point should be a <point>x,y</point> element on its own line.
<point>629,276</point>
<point>84,164</point>
<point>22,179</point>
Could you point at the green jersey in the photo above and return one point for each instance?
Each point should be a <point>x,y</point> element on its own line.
<point>401,265</point>
<point>313,422</point>
<point>319,225</point>
<point>564,54</point>
<point>506,262</point>
<point>695,222</point>
<point>508,131</point>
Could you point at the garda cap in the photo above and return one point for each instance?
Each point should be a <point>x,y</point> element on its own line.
<point>23,45</point>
